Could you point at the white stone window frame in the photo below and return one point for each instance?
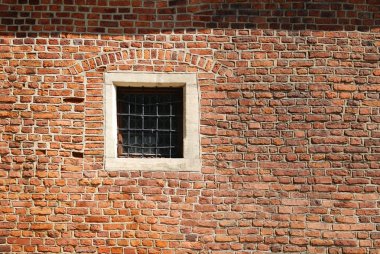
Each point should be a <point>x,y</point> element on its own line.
<point>191,135</point>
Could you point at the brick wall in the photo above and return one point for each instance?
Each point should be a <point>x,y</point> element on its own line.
<point>290,124</point>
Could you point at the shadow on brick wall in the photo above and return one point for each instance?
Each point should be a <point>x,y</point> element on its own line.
<point>33,17</point>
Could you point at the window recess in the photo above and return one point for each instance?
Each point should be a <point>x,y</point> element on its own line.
<point>149,122</point>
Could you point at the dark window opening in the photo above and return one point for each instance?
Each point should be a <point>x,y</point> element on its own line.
<point>149,122</point>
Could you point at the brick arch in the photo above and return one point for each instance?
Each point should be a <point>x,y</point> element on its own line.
<point>205,63</point>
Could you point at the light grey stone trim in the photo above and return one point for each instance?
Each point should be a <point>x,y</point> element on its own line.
<point>191,135</point>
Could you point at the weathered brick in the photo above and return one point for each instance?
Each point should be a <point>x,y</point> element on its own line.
<point>289,127</point>
<point>97,219</point>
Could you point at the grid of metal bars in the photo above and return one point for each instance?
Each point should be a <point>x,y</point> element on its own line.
<point>149,122</point>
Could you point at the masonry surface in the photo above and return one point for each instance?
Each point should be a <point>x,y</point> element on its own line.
<point>290,127</point>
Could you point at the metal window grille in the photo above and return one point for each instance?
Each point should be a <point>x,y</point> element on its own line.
<point>150,122</point>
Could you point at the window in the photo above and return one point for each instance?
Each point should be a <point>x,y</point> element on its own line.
<point>151,121</point>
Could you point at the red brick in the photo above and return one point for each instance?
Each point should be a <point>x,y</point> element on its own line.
<point>7,99</point>
<point>41,226</point>
<point>40,210</point>
<point>97,219</point>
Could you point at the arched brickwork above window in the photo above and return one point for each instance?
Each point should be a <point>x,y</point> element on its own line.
<point>204,63</point>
